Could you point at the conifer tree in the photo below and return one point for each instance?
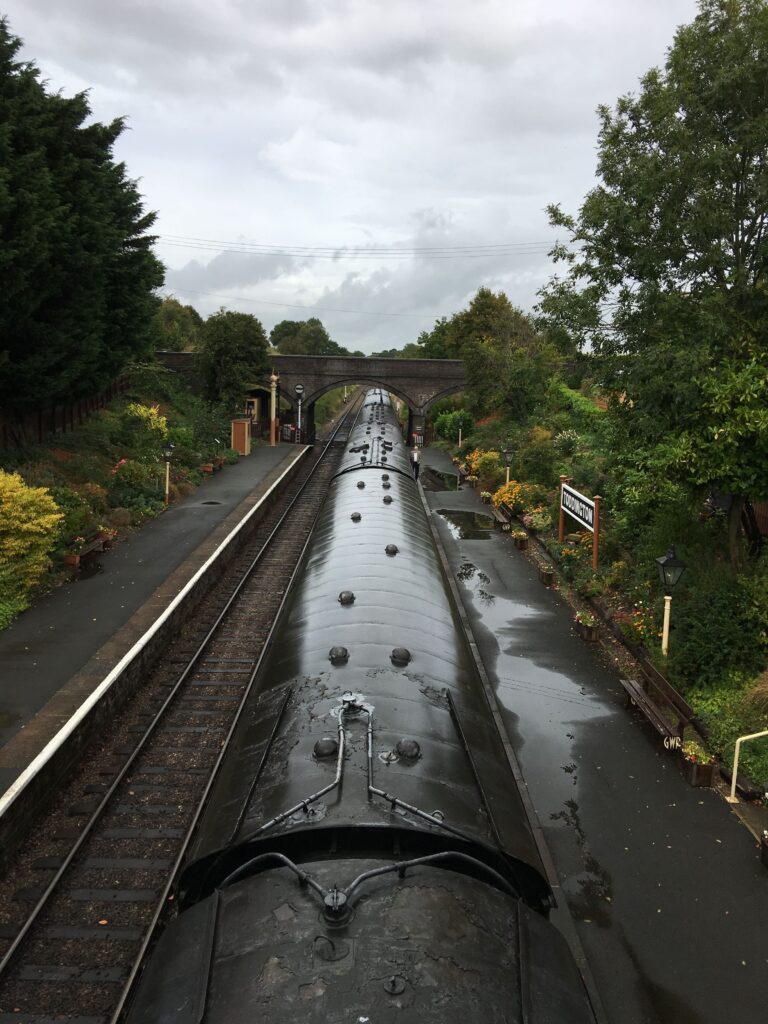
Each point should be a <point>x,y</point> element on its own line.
<point>76,263</point>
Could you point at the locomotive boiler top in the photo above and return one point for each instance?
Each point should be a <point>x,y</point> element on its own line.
<point>369,615</point>
<point>421,949</point>
<point>353,907</point>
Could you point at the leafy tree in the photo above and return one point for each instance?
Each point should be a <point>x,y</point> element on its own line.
<point>410,351</point>
<point>176,327</point>
<point>439,343</point>
<point>667,279</point>
<point>507,363</point>
<point>76,263</point>
<point>232,356</point>
<point>304,338</point>
<point>284,333</point>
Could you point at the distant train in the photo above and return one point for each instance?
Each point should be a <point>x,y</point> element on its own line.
<point>365,855</point>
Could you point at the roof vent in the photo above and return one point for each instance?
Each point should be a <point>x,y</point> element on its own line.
<point>346,597</point>
<point>392,549</point>
<point>400,656</point>
<point>326,747</point>
<point>361,484</point>
<point>408,748</point>
<point>387,499</point>
<point>338,655</point>
<point>355,517</point>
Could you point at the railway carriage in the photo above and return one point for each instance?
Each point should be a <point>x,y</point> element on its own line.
<point>365,854</point>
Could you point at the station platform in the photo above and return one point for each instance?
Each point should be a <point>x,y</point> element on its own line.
<point>58,651</point>
<point>663,881</point>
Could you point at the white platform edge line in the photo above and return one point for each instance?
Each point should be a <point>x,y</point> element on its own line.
<point>18,786</point>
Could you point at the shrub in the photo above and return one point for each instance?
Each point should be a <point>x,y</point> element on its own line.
<point>489,468</point>
<point>715,632</point>
<point>511,495</point>
<point>448,424</point>
<point>471,460</point>
<point>10,608</point>
<point>566,442</point>
<point>133,484</point>
<point>727,712</point>
<point>538,456</point>
<point>29,531</point>
<point>519,497</point>
<point>757,696</point>
<point>77,515</point>
<point>538,519</point>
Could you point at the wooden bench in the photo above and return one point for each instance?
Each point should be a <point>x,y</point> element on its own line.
<point>662,706</point>
<point>500,520</point>
<point>95,546</point>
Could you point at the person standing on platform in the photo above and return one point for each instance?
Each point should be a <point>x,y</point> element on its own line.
<point>415,461</point>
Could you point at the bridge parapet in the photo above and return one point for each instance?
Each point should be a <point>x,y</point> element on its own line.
<point>417,382</point>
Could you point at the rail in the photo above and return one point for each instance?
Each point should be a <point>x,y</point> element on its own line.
<point>176,690</point>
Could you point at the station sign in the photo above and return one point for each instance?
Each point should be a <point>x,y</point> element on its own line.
<point>581,508</point>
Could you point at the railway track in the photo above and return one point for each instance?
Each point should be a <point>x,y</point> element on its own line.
<point>88,892</point>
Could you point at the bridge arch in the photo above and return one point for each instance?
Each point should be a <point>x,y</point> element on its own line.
<point>416,382</point>
<point>419,383</point>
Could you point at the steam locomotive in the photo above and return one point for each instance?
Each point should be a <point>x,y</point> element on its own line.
<point>365,855</point>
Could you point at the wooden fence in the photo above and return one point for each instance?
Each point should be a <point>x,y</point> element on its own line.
<point>17,429</point>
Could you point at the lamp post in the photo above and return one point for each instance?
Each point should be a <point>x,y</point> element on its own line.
<point>670,570</point>
<point>167,455</point>
<point>299,389</point>
<point>273,382</point>
<point>506,452</point>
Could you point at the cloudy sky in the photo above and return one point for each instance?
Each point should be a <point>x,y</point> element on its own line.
<point>369,162</point>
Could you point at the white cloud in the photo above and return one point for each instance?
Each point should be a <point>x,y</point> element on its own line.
<point>333,122</point>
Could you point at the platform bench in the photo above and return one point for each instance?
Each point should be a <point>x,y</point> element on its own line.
<point>652,697</point>
<point>499,519</point>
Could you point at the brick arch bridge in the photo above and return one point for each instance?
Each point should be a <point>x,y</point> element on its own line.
<point>417,382</point>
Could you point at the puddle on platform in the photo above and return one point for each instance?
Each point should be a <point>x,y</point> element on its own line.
<point>480,581</point>
<point>467,525</point>
<point>545,692</point>
<point>7,719</point>
<point>447,481</point>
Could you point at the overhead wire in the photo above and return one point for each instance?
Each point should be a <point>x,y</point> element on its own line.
<point>294,305</point>
<point>344,252</point>
<point>347,252</point>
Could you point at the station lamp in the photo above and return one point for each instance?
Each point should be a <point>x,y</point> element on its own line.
<point>671,568</point>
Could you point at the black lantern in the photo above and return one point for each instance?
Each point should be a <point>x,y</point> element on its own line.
<point>168,451</point>
<point>506,452</point>
<point>670,570</point>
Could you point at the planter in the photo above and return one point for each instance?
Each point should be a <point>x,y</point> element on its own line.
<point>73,560</point>
<point>588,633</point>
<point>547,575</point>
<point>207,467</point>
<point>521,543</point>
<point>700,774</point>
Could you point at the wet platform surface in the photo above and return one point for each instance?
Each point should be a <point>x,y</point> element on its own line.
<point>663,881</point>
